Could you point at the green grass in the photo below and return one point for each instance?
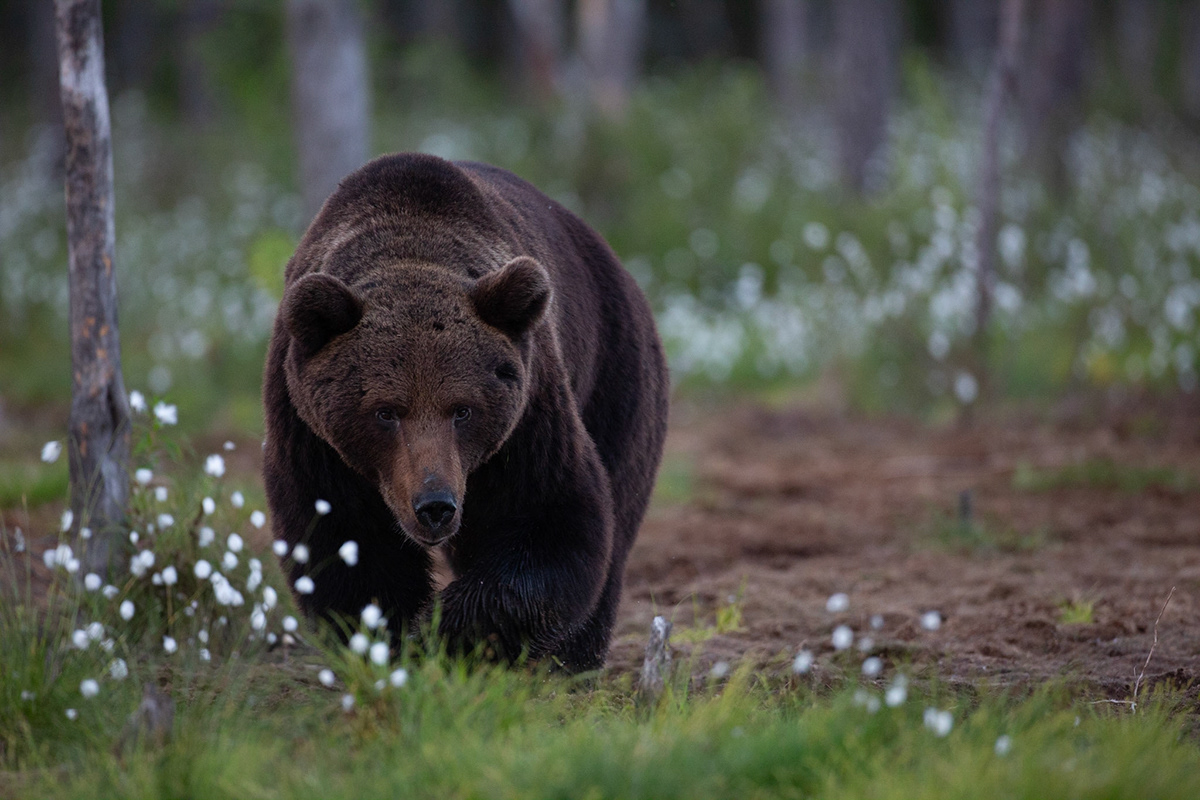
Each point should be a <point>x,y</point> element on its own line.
<point>1079,611</point>
<point>254,719</point>
<point>29,484</point>
<point>1104,473</point>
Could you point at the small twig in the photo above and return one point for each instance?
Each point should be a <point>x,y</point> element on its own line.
<point>1137,684</point>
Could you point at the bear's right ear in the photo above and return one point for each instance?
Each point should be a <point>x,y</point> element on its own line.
<point>317,308</point>
<point>513,298</point>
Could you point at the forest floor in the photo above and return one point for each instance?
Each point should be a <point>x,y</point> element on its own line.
<point>1080,523</point>
<point>1082,520</point>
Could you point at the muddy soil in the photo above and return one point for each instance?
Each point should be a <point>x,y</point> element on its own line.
<point>1057,562</point>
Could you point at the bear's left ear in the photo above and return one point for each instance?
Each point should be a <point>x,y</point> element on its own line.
<point>514,298</point>
<point>317,308</point>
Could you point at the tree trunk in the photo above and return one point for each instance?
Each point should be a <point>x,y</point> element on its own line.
<point>1189,79</point>
<point>1002,81</point>
<point>540,27</point>
<point>972,27</point>
<point>329,94</point>
<point>783,32</point>
<point>1139,29</point>
<point>196,94</point>
<point>1052,85</point>
<point>99,424</point>
<point>866,42</point>
<point>611,34</point>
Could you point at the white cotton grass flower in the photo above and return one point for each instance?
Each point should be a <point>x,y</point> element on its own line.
<point>304,585</point>
<point>837,603</point>
<point>160,494</point>
<point>89,688</point>
<point>68,517</point>
<point>940,722</point>
<point>118,669</point>
<point>235,543</point>
<point>137,402</point>
<point>80,639</point>
<point>202,636</point>
<point>72,714</point>
<point>349,552</point>
<point>872,666</point>
<point>165,520</point>
<point>208,505</point>
<point>143,476</point>
<point>170,645</point>
<point>270,597</point>
<point>380,685</point>
<point>931,620</point>
<point>28,696</point>
<point>229,561</point>
<point>876,621</point>
<point>95,631</point>
<point>290,624</point>
<point>897,693</point>
<point>866,644</point>
<point>300,554</point>
<point>170,576</point>
<point>258,519</point>
<point>108,644</point>
<point>204,654</point>
<point>254,581</point>
<point>258,619</point>
<point>166,414</point>
<point>202,570</point>
<point>323,507</point>
<point>719,670</point>
<point>110,592</point>
<point>133,537</point>
<point>279,547</point>
<point>326,677</point>
<point>214,465</point>
<point>205,536</point>
<point>127,610</point>
<point>92,581</point>
<point>1003,745</point>
<point>85,533</point>
<point>380,654</point>
<point>843,637</point>
<point>803,662</point>
<point>229,446</point>
<point>51,451</point>
<point>371,616</point>
<point>398,678</point>
<point>237,499</point>
<point>72,566</point>
<point>347,703</point>
<point>359,643</point>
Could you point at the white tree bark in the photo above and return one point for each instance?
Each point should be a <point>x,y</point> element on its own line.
<point>98,448</point>
<point>611,35</point>
<point>330,95</point>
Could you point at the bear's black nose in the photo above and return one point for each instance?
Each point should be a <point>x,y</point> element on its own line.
<point>435,509</point>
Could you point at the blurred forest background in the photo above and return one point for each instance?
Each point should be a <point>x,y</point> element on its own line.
<point>800,186</point>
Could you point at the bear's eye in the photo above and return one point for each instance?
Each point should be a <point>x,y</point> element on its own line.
<point>506,372</point>
<point>461,415</point>
<point>388,416</point>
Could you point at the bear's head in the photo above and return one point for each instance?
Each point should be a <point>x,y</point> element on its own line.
<point>415,375</point>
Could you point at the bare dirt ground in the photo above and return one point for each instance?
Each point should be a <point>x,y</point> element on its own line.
<point>792,506</point>
<point>769,511</point>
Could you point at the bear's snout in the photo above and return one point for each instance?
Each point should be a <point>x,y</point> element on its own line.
<point>435,513</point>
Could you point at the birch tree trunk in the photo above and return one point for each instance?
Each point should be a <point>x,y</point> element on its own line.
<point>330,107</point>
<point>540,28</point>
<point>99,425</point>
<point>611,34</point>
<point>866,42</point>
<point>1002,81</point>
<point>783,30</point>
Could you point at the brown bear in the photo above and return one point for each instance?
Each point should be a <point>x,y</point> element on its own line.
<point>459,362</point>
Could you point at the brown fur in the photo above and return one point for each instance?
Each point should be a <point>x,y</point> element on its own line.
<point>460,361</point>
